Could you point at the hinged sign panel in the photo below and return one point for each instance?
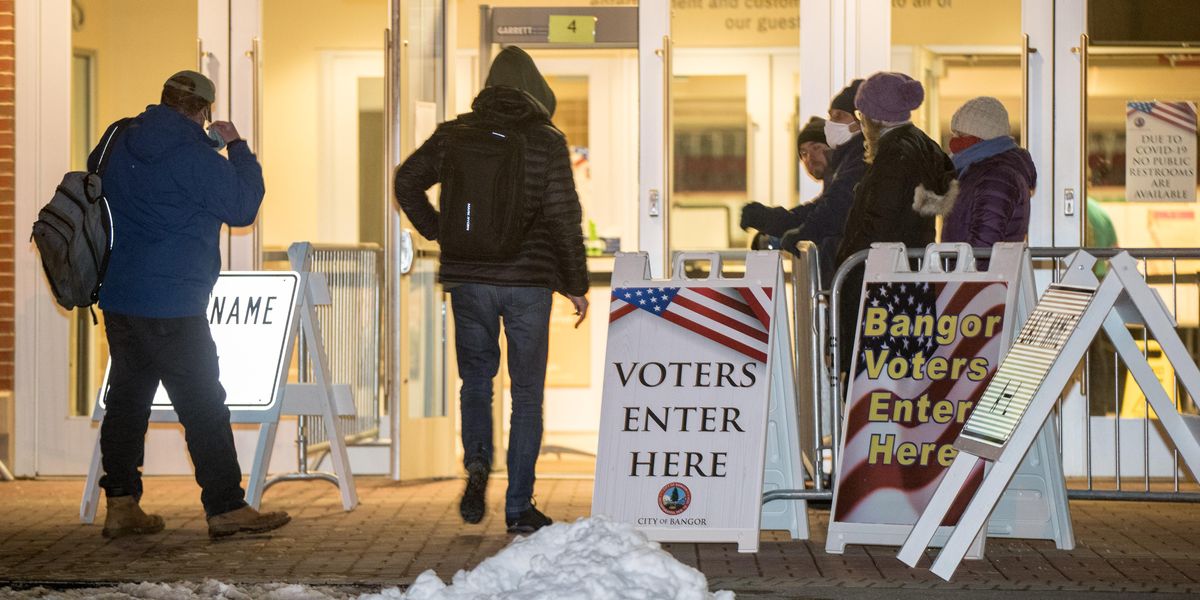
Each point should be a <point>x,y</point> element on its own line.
<point>250,315</point>
<point>1036,349</point>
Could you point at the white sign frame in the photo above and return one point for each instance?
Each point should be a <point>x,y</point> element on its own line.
<point>612,495</point>
<point>1043,481</point>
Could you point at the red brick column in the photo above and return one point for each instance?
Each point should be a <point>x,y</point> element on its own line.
<point>7,206</point>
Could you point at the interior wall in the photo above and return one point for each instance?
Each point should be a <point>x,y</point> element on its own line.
<point>956,22</point>
<point>134,56</point>
<point>295,33</point>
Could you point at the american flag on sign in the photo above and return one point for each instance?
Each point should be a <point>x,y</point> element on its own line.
<point>737,318</point>
<point>1179,114</point>
<point>898,494</point>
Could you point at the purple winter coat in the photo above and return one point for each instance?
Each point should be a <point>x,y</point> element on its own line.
<point>993,201</point>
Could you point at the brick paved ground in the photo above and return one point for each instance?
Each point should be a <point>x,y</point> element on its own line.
<point>401,530</point>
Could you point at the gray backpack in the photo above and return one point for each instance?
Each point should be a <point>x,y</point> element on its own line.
<point>73,232</point>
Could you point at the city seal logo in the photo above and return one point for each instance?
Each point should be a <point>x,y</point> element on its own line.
<point>1139,121</point>
<point>674,498</point>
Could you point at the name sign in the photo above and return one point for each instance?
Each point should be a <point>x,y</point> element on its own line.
<point>250,315</point>
<point>1007,396</point>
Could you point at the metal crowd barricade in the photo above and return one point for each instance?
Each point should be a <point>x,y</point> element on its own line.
<point>352,326</point>
<point>353,329</point>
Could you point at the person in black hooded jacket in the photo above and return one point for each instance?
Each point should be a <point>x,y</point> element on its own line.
<point>519,289</point>
<point>903,166</point>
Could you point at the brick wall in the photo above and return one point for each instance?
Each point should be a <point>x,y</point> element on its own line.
<point>7,209</point>
<point>7,139</point>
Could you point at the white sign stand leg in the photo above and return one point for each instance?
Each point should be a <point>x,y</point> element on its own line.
<point>91,487</point>
<point>5,474</point>
<point>319,398</point>
<point>782,468</point>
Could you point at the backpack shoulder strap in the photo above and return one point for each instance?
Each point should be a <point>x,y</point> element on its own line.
<point>110,136</point>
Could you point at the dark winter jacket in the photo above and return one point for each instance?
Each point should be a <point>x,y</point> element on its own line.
<point>825,215</point>
<point>993,201</point>
<point>552,254</point>
<point>170,192</point>
<point>908,165</point>
<point>823,221</point>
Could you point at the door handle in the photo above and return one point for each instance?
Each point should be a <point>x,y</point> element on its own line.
<point>406,251</point>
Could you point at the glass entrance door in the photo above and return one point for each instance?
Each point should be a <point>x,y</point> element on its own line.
<point>421,364</point>
<point>118,67</point>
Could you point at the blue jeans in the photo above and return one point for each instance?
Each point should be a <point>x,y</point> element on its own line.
<point>525,311</point>
<point>181,353</point>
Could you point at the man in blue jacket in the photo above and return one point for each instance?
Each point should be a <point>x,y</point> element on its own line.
<point>170,192</point>
<point>823,220</point>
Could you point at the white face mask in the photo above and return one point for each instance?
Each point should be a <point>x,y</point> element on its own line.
<point>837,134</point>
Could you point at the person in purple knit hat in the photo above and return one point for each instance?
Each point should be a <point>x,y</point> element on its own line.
<point>903,165</point>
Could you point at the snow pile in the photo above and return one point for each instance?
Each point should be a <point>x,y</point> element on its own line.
<point>590,559</point>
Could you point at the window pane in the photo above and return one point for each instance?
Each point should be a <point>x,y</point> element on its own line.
<point>118,67</point>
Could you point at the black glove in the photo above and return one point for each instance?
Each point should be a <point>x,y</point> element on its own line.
<point>790,238</point>
<point>753,216</point>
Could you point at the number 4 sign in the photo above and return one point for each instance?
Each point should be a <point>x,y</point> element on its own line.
<point>572,29</point>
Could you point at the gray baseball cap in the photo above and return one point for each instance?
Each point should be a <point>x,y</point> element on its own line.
<point>193,83</point>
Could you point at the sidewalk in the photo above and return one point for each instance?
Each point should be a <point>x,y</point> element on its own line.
<point>401,530</point>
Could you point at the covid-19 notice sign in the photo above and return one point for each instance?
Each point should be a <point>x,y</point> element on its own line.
<point>925,351</point>
<point>686,382</point>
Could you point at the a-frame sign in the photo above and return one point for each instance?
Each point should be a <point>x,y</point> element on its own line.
<point>1022,395</point>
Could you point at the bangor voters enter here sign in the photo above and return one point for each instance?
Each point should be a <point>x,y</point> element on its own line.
<point>925,353</point>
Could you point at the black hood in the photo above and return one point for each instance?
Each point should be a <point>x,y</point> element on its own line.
<point>515,69</point>
<point>510,106</point>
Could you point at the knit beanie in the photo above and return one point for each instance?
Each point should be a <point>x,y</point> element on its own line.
<point>983,117</point>
<point>845,99</point>
<point>814,131</point>
<point>889,97</point>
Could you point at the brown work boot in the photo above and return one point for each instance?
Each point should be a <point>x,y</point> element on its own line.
<point>245,519</point>
<point>125,517</point>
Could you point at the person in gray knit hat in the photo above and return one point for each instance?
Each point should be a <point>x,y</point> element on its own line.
<point>995,179</point>
<point>902,164</point>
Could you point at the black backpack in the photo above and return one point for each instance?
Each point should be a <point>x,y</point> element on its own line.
<point>482,200</point>
<point>73,232</point>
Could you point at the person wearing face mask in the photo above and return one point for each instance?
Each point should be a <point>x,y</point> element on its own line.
<point>814,154</point>
<point>823,220</point>
<point>170,193</point>
<point>995,179</point>
<point>903,165</point>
